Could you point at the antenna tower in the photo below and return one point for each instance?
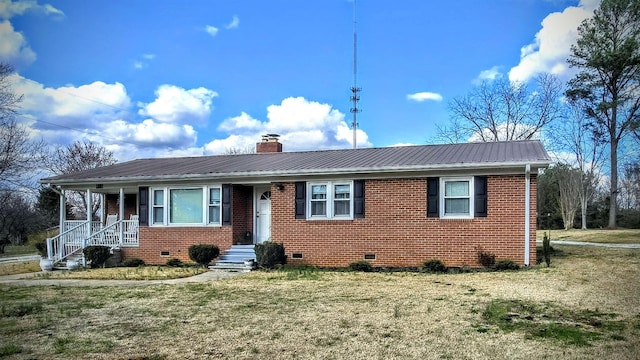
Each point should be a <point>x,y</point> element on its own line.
<point>355,97</point>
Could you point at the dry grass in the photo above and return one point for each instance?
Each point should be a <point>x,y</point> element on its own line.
<point>126,273</point>
<point>308,314</point>
<point>615,236</point>
<point>19,267</point>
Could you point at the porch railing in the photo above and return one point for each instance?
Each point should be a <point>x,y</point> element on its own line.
<point>67,242</point>
<point>76,237</point>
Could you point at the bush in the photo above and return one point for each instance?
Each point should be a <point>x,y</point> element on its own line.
<point>133,262</point>
<point>269,254</point>
<point>41,246</point>
<point>97,255</point>
<point>361,265</point>
<point>434,266</point>
<point>506,265</point>
<point>203,253</point>
<point>175,262</point>
<point>485,258</point>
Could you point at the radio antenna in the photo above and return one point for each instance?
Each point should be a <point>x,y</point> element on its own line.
<point>355,97</point>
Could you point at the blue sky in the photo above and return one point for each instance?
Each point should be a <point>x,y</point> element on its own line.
<point>149,78</point>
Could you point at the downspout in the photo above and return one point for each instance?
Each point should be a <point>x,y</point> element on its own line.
<point>527,212</point>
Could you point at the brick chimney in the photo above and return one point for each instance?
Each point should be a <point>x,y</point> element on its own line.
<point>269,144</point>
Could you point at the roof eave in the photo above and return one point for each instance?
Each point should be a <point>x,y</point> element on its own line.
<point>306,172</point>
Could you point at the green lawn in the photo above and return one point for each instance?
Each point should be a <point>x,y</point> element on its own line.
<point>18,250</point>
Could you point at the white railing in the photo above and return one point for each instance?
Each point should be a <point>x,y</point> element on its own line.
<point>76,237</point>
<point>66,243</point>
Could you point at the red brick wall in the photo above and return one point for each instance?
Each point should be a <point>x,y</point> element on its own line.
<point>398,232</point>
<point>176,240</point>
<point>130,204</point>
<point>242,206</point>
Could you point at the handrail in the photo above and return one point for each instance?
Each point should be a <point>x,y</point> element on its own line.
<point>66,243</point>
<point>108,236</point>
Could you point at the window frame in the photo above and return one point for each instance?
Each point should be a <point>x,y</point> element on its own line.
<point>166,206</point>
<point>470,195</point>
<point>330,200</point>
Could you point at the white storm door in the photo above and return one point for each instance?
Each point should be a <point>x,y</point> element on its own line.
<point>263,216</point>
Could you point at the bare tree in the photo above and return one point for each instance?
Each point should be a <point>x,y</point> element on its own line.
<point>20,155</point>
<point>574,136</point>
<point>501,111</point>
<point>607,55</point>
<point>17,219</point>
<point>237,150</point>
<point>569,201</point>
<point>80,156</point>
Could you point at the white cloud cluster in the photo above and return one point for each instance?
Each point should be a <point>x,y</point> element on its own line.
<point>302,124</point>
<point>552,44</point>
<point>423,96</point>
<point>488,75</point>
<point>14,47</point>
<point>213,30</point>
<point>235,22</point>
<point>177,105</point>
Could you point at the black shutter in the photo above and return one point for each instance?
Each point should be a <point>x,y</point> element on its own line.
<point>301,201</point>
<point>143,205</point>
<point>226,204</point>
<point>433,183</point>
<point>358,198</point>
<point>480,196</point>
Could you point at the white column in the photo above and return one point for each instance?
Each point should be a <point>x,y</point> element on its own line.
<point>121,212</point>
<point>63,211</point>
<point>89,206</point>
<point>527,212</point>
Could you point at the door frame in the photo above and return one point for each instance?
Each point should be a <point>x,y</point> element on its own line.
<point>258,190</point>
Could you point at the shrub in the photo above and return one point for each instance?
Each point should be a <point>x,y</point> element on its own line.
<point>546,249</point>
<point>269,254</point>
<point>506,264</point>
<point>97,255</point>
<point>361,265</point>
<point>434,266</point>
<point>133,262</point>
<point>175,262</point>
<point>486,258</point>
<point>203,253</point>
<point>41,246</point>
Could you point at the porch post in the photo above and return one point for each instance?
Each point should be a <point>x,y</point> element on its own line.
<point>89,208</point>
<point>63,211</point>
<point>121,212</point>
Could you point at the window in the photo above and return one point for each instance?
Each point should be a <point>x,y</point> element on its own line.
<point>456,199</point>
<point>182,206</point>
<point>214,206</point>
<point>158,207</point>
<point>330,200</point>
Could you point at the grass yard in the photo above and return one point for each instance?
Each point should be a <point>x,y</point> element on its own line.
<point>21,267</point>
<point>18,250</point>
<point>587,305</point>
<point>616,236</point>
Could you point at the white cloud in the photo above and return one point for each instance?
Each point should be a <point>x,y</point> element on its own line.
<point>14,48</point>
<point>402,144</point>
<point>488,75</point>
<point>552,44</point>
<point>153,134</point>
<point>211,30</point>
<point>138,65</point>
<point>423,96</point>
<point>302,125</point>
<point>148,56</point>
<point>174,104</point>
<point>235,22</point>
<point>9,9</point>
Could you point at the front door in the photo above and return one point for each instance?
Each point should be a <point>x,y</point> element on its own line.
<point>263,215</point>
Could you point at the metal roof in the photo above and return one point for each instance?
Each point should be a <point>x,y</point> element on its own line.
<point>368,160</point>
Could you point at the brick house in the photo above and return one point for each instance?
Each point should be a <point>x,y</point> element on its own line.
<point>395,206</point>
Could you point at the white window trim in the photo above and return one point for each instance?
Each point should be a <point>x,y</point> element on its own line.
<point>441,197</point>
<point>167,206</point>
<point>330,200</point>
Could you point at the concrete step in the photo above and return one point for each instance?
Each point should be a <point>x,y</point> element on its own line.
<point>234,258</point>
<point>231,266</point>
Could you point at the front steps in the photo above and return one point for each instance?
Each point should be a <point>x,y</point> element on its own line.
<point>234,258</point>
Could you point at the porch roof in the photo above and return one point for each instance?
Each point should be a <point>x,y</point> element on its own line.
<point>493,155</point>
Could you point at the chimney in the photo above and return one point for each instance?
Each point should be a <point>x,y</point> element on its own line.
<point>269,144</point>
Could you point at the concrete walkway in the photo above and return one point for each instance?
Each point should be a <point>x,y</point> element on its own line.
<point>31,279</point>
<point>583,243</point>
<point>14,259</point>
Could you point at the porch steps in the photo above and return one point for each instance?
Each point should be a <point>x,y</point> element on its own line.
<point>63,265</point>
<point>233,259</point>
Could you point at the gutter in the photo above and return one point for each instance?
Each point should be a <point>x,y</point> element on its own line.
<point>527,213</point>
